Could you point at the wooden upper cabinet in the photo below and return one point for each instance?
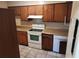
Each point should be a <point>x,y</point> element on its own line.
<point>48,12</point>
<point>39,10</point>
<point>24,13</point>
<point>31,10</point>
<point>60,12</point>
<point>17,11</point>
<point>35,10</point>
<point>69,9</point>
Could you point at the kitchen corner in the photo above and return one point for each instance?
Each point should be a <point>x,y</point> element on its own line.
<point>57,35</point>
<point>36,34</point>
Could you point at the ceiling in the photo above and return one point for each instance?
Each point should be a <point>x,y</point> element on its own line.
<point>24,3</point>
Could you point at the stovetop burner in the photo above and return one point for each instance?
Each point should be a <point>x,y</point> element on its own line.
<point>38,30</point>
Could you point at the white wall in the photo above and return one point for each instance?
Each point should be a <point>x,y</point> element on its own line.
<point>24,3</point>
<point>3,4</point>
<point>74,16</point>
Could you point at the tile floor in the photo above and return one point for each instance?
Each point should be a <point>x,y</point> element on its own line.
<point>28,52</point>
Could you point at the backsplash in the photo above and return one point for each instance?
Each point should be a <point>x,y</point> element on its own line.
<point>18,21</point>
<point>55,25</point>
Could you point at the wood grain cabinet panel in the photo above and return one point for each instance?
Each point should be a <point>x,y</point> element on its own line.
<point>47,42</point>
<point>60,12</point>
<point>35,10</point>
<point>17,11</point>
<point>39,10</point>
<point>22,37</point>
<point>48,12</point>
<point>31,10</point>
<point>24,13</point>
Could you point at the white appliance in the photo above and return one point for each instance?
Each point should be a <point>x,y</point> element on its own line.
<point>36,19</point>
<point>35,16</point>
<point>35,36</point>
<point>56,42</point>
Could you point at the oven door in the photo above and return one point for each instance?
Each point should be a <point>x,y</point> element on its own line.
<point>34,37</point>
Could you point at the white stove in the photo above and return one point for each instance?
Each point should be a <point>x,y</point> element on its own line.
<point>35,36</point>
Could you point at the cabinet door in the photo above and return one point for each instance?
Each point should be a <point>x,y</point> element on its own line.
<point>22,38</point>
<point>39,10</point>
<point>35,10</point>
<point>69,9</point>
<point>17,11</point>
<point>47,42</point>
<point>24,13</point>
<point>48,12</point>
<point>60,12</point>
<point>31,10</point>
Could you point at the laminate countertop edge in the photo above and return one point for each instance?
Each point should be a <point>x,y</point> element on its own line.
<point>60,32</point>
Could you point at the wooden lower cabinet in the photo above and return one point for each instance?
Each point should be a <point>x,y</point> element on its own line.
<point>47,42</point>
<point>62,48</point>
<point>22,37</point>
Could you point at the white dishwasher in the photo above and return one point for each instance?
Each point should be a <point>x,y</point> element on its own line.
<point>56,42</point>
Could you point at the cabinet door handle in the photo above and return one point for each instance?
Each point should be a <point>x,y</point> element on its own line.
<point>65,20</point>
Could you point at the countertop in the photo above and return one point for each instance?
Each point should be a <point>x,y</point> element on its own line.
<point>60,32</point>
<point>23,27</point>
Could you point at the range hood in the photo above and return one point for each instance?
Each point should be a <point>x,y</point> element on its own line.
<point>35,16</point>
<point>36,19</point>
